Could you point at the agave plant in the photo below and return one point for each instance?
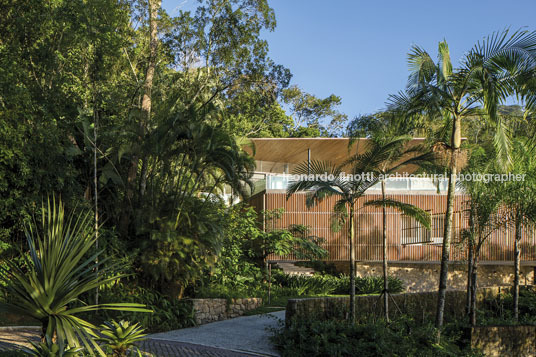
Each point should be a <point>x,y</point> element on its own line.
<point>120,336</point>
<point>59,268</point>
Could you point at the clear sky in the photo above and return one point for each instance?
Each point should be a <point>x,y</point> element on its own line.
<point>357,49</point>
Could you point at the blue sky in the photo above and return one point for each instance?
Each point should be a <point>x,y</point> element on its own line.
<point>357,49</point>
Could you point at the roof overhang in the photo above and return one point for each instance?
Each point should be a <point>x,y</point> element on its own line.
<point>281,155</point>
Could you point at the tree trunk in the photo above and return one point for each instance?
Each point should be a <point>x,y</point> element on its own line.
<point>470,252</point>
<point>517,253</point>
<point>352,264</point>
<point>469,277</point>
<point>445,254</point>
<point>146,104</point>
<point>385,267</point>
<point>472,313</point>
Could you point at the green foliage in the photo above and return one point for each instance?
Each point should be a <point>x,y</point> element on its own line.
<point>12,354</point>
<point>309,114</point>
<point>319,284</point>
<point>237,266</point>
<point>238,272</point>
<point>499,311</point>
<point>168,314</point>
<point>402,337</point>
<point>59,269</point>
<point>119,337</point>
<point>48,348</point>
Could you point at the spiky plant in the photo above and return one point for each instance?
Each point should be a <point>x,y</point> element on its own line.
<point>120,336</point>
<point>58,268</point>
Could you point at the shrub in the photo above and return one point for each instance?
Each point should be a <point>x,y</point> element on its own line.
<point>402,337</point>
<point>319,284</point>
<point>167,314</point>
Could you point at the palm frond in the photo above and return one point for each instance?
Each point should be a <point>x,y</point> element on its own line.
<point>419,214</point>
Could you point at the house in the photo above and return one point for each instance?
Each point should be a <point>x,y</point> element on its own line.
<point>413,252</point>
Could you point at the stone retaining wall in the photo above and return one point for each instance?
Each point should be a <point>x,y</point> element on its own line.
<point>421,306</point>
<point>419,277</point>
<point>496,341</point>
<point>210,310</point>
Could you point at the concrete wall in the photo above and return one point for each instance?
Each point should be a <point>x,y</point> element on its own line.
<point>419,277</point>
<point>210,310</point>
<point>421,306</point>
<point>497,341</point>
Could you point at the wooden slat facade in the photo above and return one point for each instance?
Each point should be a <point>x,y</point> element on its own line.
<point>499,246</point>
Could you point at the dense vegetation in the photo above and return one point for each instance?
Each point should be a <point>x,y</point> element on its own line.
<point>136,120</point>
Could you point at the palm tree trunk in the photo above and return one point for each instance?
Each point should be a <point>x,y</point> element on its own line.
<point>146,105</point>
<point>472,313</point>
<point>517,253</point>
<point>352,263</point>
<point>385,275</point>
<point>456,140</point>
<point>470,252</point>
<point>469,278</point>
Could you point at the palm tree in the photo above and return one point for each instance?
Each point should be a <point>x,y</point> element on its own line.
<point>60,268</point>
<point>519,198</point>
<point>398,157</point>
<point>482,207</point>
<point>177,225</point>
<point>491,71</point>
<point>365,171</point>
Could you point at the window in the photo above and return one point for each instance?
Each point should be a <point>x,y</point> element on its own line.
<point>413,232</point>
<point>438,226</point>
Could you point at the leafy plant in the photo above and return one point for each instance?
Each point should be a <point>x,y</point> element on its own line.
<point>168,314</point>
<point>120,336</point>
<point>402,337</point>
<point>48,348</point>
<point>59,269</point>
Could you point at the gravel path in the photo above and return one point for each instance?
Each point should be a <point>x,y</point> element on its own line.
<point>247,333</point>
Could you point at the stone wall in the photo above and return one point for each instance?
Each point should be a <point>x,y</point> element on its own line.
<point>495,341</point>
<point>419,277</point>
<point>421,306</point>
<point>210,310</point>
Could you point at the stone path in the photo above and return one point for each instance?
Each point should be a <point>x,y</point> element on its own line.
<point>247,334</point>
<point>241,336</point>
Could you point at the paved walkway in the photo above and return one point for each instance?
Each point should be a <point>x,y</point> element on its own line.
<point>246,334</point>
<point>241,336</point>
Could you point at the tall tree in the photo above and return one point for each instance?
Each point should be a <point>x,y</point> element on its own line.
<point>519,198</point>
<point>399,156</point>
<point>491,71</point>
<point>483,210</point>
<point>309,113</point>
<point>365,169</point>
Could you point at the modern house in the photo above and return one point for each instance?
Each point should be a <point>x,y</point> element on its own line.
<point>413,251</point>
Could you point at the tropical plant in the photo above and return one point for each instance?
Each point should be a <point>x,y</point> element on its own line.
<point>59,268</point>
<point>168,314</point>
<point>365,170</point>
<point>482,208</point>
<point>180,218</point>
<point>494,69</point>
<point>120,336</point>
<point>48,348</point>
<point>398,156</point>
<point>519,199</point>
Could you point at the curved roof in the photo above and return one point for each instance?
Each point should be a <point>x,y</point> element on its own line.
<point>280,155</point>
